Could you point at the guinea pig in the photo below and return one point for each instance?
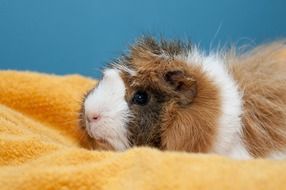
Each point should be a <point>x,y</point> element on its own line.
<point>172,96</point>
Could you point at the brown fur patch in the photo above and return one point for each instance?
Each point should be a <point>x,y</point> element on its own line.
<point>261,75</point>
<point>193,127</point>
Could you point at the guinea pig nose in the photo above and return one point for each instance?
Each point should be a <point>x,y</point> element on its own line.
<point>93,117</point>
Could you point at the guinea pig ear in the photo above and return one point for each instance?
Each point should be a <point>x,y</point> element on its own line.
<point>185,87</point>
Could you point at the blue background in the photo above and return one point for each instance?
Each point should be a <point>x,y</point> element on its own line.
<point>80,36</point>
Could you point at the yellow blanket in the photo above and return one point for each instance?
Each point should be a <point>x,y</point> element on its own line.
<point>39,148</point>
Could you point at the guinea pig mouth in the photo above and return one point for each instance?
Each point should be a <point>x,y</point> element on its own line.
<point>93,131</point>
<point>107,134</point>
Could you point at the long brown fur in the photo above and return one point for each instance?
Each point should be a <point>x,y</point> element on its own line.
<point>261,76</point>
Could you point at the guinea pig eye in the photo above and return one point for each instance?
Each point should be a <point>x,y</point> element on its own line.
<point>141,98</point>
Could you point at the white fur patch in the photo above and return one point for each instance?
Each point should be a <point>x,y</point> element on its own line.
<point>107,100</point>
<point>228,141</point>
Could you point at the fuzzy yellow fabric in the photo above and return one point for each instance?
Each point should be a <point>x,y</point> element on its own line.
<point>40,149</point>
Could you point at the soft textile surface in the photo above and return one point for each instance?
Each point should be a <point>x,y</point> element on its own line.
<point>40,149</point>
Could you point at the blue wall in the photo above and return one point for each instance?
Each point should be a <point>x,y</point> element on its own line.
<point>80,36</point>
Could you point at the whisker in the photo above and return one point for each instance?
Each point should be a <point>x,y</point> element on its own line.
<point>215,35</point>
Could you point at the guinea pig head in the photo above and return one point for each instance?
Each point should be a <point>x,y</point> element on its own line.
<point>151,97</point>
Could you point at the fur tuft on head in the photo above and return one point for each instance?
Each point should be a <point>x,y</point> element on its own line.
<point>148,46</point>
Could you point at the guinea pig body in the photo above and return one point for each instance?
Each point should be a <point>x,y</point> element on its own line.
<point>171,96</point>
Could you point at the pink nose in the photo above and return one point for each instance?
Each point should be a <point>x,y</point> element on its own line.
<point>93,118</point>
